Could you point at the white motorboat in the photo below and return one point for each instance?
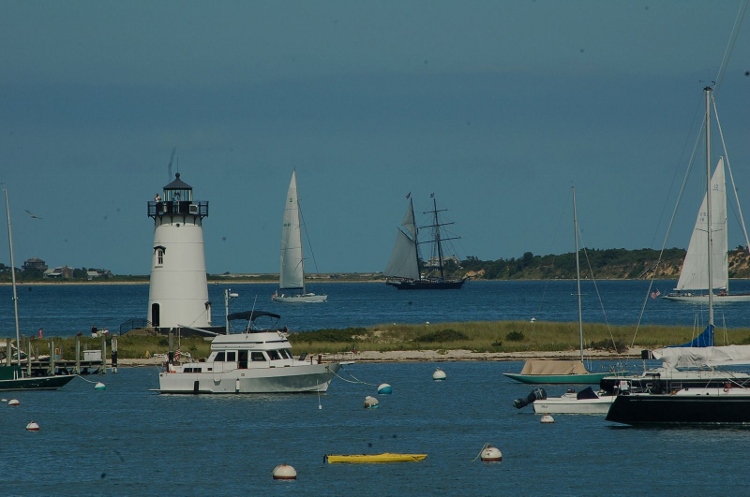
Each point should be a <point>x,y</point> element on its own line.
<point>253,361</point>
<point>571,402</point>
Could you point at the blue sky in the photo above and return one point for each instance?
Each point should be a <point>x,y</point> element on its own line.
<point>497,107</point>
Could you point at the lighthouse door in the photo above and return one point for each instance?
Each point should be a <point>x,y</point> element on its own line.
<point>155,315</point>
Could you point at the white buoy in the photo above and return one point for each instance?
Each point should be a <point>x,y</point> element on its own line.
<point>14,402</point>
<point>4,400</point>
<point>33,426</point>
<point>547,419</point>
<point>284,472</point>
<point>491,454</point>
<point>385,389</point>
<point>100,386</point>
<point>438,375</point>
<point>533,320</point>
<point>371,402</point>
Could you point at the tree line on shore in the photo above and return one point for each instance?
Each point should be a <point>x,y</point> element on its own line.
<point>595,263</point>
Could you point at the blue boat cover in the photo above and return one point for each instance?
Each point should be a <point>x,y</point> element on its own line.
<point>705,339</point>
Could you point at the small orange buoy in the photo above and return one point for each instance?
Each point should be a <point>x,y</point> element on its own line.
<point>33,426</point>
<point>491,454</point>
<point>284,472</point>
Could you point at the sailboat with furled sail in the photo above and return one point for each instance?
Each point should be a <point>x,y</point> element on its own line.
<point>562,372</point>
<point>404,268</point>
<point>12,375</point>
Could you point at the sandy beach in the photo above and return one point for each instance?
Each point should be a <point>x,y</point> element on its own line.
<point>435,356</point>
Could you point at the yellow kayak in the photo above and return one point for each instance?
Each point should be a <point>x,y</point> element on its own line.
<point>374,458</point>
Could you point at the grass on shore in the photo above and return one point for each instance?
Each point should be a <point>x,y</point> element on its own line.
<point>495,336</point>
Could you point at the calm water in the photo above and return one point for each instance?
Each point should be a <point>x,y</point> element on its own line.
<point>128,440</point>
<point>63,310</point>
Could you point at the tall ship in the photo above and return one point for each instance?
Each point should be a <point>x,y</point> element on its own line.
<point>405,269</point>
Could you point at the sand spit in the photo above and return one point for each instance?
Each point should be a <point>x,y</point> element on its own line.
<point>436,356</point>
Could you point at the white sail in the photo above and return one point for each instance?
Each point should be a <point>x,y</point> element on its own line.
<point>292,273</point>
<point>403,261</point>
<point>694,275</point>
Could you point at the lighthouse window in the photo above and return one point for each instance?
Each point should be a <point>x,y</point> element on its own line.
<point>160,257</point>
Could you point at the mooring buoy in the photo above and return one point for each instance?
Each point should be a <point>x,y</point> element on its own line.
<point>491,454</point>
<point>284,472</point>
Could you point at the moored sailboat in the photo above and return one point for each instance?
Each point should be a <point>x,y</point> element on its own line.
<point>404,270</point>
<point>13,376</point>
<point>292,266</point>
<point>725,403</point>
<point>562,372</point>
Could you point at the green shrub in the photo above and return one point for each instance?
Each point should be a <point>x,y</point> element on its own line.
<point>328,335</point>
<point>515,336</point>
<point>447,335</point>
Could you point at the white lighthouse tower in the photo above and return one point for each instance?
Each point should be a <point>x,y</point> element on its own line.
<point>178,293</point>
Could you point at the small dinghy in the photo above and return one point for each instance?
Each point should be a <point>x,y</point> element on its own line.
<point>374,458</point>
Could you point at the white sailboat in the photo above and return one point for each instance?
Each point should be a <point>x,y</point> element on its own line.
<point>292,267</point>
<point>693,283</point>
<point>691,397</point>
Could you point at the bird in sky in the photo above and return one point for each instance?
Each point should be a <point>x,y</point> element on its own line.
<point>33,216</point>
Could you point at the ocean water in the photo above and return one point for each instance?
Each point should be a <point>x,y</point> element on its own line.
<point>130,441</point>
<point>64,310</point>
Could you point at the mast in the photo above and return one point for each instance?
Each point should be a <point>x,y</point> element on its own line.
<point>13,279</point>
<point>437,240</point>
<point>416,237</point>
<point>709,227</point>
<point>578,274</point>
<point>301,248</point>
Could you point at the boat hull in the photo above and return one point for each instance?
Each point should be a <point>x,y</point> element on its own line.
<point>386,457</point>
<point>569,404</point>
<point>556,379</point>
<point>703,299</point>
<point>307,298</point>
<point>427,284</point>
<point>704,406</point>
<point>666,381</point>
<point>12,379</point>
<point>306,378</point>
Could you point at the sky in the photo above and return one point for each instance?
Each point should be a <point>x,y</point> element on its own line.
<point>496,107</point>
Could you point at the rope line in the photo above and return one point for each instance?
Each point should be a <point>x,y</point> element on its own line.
<point>357,380</point>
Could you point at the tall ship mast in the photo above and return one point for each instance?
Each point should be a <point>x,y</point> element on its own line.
<point>405,270</point>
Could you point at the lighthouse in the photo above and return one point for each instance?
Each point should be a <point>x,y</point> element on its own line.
<point>178,293</point>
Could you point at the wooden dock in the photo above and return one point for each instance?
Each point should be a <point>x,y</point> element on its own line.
<point>56,362</point>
